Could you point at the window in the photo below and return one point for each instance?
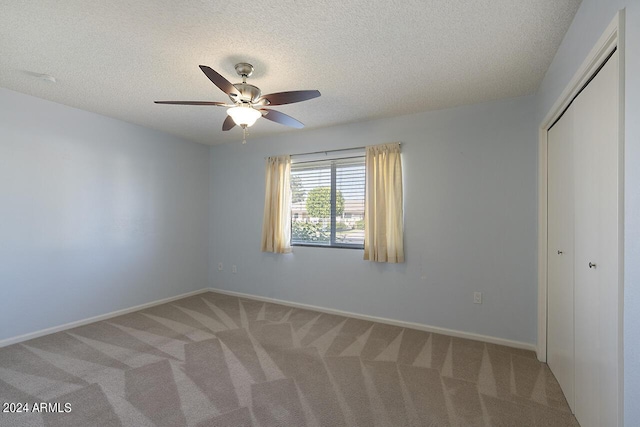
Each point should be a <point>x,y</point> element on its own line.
<point>327,204</point>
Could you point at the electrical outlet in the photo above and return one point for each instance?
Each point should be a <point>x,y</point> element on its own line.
<point>234,269</point>
<point>477,297</point>
<point>220,266</point>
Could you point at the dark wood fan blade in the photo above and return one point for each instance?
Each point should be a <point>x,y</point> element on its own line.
<point>281,98</point>
<point>224,84</point>
<point>219,104</point>
<point>228,123</point>
<point>283,119</point>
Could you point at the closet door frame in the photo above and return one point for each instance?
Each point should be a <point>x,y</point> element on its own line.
<point>611,39</point>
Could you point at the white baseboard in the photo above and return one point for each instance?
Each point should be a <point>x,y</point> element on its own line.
<point>36,334</point>
<point>403,324</point>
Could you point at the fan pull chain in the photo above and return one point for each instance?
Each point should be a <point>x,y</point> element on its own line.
<point>244,134</point>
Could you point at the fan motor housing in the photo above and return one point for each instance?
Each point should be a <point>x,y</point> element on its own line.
<point>248,93</point>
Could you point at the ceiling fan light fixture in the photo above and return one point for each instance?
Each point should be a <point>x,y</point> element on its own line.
<point>244,116</point>
<point>248,101</point>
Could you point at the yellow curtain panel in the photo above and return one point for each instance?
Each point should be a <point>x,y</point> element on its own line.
<point>276,221</point>
<point>383,216</point>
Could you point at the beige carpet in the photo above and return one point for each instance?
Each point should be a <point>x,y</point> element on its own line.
<point>216,360</point>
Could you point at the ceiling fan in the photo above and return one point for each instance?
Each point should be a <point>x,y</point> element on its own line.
<point>247,102</point>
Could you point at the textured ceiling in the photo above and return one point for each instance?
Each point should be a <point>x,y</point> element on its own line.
<point>369,59</point>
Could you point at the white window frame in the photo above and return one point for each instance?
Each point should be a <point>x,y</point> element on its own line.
<point>322,157</point>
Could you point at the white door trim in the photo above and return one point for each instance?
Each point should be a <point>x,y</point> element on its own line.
<point>612,38</point>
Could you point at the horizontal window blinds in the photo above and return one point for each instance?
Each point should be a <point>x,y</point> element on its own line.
<point>328,202</point>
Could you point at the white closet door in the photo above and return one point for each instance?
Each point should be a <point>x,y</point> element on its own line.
<point>596,249</point>
<point>560,329</point>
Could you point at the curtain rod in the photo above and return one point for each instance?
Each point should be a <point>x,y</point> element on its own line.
<point>332,151</point>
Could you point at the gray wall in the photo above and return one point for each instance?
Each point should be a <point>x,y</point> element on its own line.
<point>470,223</point>
<point>589,23</point>
<point>96,215</point>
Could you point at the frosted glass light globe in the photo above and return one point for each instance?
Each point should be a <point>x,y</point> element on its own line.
<point>246,116</point>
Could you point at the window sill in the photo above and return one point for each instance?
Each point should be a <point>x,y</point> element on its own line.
<point>306,245</point>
